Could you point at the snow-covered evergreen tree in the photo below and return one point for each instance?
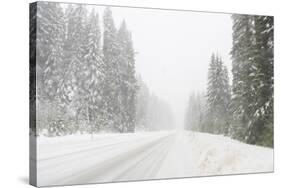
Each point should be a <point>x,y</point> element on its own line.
<point>252,55</point>
<point>111,93</point>
<point>218,97</point>
<point>242,70</point>
<point>264,80</point>
<point>72,95</point>
<point>50,33</point>
<point>127,81</point>
<point>85,86</point>
<point>92,74</point>
<point>50,37</point>
<point>32,67</point>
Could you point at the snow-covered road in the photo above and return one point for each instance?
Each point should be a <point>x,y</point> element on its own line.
<point>140,156</point>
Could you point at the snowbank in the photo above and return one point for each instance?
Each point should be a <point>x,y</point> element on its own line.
<point>137,156</point>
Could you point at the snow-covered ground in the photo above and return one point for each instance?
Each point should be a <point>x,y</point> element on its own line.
<point>139,156</point>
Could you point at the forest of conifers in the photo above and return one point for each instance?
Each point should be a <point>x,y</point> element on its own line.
<point>85,75</point>
<point>244,109</point>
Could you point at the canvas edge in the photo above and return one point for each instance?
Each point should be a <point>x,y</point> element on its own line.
<point>153,8</point>
<point>32,94</point>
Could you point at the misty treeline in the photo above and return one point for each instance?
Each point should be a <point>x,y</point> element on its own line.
<point>244,109</point>
<point>152,113</point>
<point>85,72</point>
<point>209,112</point>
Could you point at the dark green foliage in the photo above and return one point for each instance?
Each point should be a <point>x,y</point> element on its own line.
<point>32,67</point>
<point>252,102</point>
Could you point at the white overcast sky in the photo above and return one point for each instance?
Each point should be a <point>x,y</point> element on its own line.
<point>174,48</point>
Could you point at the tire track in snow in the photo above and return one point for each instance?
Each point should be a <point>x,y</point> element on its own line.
<point>87,148</point>
<point>148,164</point>
<point>99,173</point>
<point>85,174</point>
<point>62,162</point>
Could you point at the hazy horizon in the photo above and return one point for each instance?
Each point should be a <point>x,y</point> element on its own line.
<point>179,44</point>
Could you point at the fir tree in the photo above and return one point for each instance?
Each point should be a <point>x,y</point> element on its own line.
<point>252,55</point>
<point>71,93</point>
<point>262,129</point>
<point>127,80</point>
<point>92,73</point>
<point>218,97</point>
<point>112,77</point>
<point>242,70</point>
<point>32,67</point>
<point>50,37</point>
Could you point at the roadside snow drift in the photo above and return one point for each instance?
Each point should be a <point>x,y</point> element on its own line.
<point>139,156</point>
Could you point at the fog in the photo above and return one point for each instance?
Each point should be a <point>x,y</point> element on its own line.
<point>174,48</point>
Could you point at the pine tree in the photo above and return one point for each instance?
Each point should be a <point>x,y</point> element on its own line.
<point>127,80</point>
<point>242,70</point>
<point>75,18</point>
<point>50,33</point>
<point>111,83</point>
<point>92,73</point>
<point>50,36</point>
<point>252,55</point>
<point>262,128</point>
<point>72,95</point>
<point>218,97</point>
<point>226,102</point>
<point>32,68</point>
